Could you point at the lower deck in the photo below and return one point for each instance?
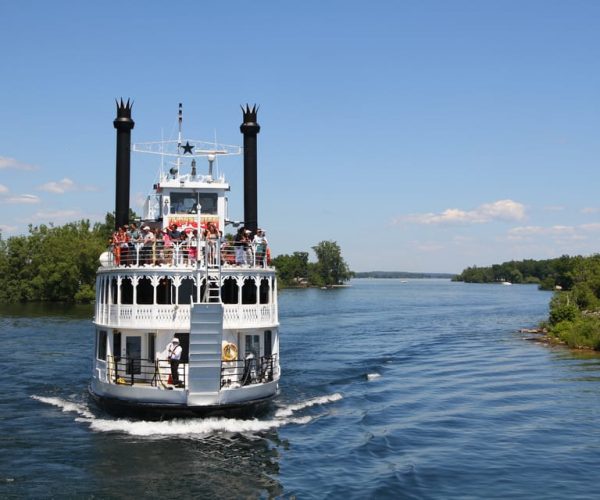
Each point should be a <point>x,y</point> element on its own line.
<point>217,366</point>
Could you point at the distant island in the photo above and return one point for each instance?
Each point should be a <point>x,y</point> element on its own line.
<point>401,274</point>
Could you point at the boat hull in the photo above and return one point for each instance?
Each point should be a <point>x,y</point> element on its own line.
<point>119,407</point>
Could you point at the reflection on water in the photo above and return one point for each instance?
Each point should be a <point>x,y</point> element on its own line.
<point>46,309</point>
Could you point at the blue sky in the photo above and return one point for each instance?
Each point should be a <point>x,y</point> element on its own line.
<point>419,135</point>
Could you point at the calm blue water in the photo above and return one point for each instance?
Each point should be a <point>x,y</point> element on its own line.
<point>421,389</point>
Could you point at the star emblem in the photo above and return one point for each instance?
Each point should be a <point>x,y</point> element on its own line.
<point>187,148</point>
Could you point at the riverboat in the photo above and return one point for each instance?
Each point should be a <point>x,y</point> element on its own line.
<point>215,296</point>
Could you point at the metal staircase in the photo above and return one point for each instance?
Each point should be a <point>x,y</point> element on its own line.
<point>212,290</point>
<point>206,335</point>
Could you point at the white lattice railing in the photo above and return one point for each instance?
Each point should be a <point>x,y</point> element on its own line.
<point>178,316</point>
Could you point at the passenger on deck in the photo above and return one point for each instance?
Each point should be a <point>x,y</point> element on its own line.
<point>260,247</point>
<point>212,236</point>
<point>135,237</point>
<point>168,247</point>
<point>174,352</point>
<point>193,246</point>
<point>240,241</point>
<point>119,242</point>
<point>148,240</point>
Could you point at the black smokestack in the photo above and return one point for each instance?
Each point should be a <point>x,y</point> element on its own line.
<point>250,128</point>
<point>123,123</point>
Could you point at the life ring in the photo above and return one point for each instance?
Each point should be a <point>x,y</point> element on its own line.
<point>230,352</point>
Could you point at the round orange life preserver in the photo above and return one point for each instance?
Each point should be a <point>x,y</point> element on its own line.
<point>230,352</point>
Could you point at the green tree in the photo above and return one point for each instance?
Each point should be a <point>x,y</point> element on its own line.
<point>292,270</point>
<point>331,268</point>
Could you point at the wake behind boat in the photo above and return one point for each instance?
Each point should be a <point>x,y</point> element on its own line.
<point>186,319</point>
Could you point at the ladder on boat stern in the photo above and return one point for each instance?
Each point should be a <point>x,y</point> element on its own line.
<point>206,335</point>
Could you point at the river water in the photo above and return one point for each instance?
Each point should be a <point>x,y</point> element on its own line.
<point>390,389</point>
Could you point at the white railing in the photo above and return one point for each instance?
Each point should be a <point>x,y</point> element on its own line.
<point>178,316</point>
<point>187,255</point>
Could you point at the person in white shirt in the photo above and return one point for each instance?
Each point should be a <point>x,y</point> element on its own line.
<point>260,247</point>
<point>174,352</point>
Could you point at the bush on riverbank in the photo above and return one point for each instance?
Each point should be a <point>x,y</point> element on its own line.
<point>575,313</point>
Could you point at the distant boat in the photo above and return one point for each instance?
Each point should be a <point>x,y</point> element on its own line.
<point>506,283</point>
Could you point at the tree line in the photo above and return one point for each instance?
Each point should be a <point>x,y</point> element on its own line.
<point>548,274</point>
<point>59,263</point>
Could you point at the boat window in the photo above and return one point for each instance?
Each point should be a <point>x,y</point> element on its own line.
<point>253,345</point>
<point>187,291</point>
<point>117,345</point>
<point>264,291</point>
<point>229,291</point>
<point>187,203</point>
<point>151,346</point>
<point>145,291</point>
<point>113,290</point>
<point>249,291</point>
<point>133,350</point>
<point>164,292</point>
<point>268,344</point>
<point>101,347</point>
<point>126,291</point>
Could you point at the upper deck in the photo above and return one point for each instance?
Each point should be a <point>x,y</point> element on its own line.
<point>151,286</point>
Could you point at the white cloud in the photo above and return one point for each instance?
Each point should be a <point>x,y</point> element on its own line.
<point>3,189</point>
<point>23,199</point>
<point>6,162</point>
<point>5,228</point>
<point>58,187</point>
<point>53,215</point>
<point>64,185</point>
<point>498,210</point>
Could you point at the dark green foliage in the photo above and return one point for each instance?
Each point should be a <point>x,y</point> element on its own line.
<point>330,268</point>
<point>548,273</point>
<point>562,309</point>
<point>292,270</point>
<point>54,264</point>
<point>575,311</point>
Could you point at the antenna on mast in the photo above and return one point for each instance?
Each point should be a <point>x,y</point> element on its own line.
<point>180,120</point>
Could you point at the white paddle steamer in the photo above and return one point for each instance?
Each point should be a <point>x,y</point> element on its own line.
<point>216,296</point>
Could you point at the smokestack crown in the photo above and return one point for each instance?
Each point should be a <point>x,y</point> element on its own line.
<point>250,126</point>
<point>123,119</point>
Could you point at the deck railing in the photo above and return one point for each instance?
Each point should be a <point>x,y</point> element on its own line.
<point>178,316</point>
<point>187,254</point>
<point>248,371</point>
<point>131,371</point>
